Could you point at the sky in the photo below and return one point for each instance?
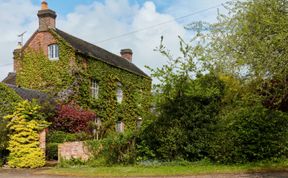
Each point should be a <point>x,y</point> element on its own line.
<point>101,22</point>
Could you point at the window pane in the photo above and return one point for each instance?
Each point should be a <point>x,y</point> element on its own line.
<point>94,89</point>
<point>53,51</point>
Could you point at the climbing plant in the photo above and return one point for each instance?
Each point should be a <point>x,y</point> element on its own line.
<point>71,75</point>
<point>24,126</point>
<point>136,94</point>
<point>40,73</point>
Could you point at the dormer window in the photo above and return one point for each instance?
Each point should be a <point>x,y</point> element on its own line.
<point>119,93</point>
<point>53,52</point>
<point>95,89</point>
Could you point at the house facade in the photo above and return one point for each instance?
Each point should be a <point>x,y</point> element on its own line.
<point>72,69</point>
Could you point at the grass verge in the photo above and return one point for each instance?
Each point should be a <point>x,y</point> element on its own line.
<point>167,170</point>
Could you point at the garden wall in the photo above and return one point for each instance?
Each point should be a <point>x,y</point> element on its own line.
<point>69,150</point>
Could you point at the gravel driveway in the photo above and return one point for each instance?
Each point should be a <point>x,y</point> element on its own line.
<point>16,173</point>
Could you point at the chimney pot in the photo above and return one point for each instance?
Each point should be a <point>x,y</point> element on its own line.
<point>44,5</point>
<point>127,54</point>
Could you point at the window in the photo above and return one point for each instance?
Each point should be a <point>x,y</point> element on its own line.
<point>53,52</point>
<point>119,93</point>
<point>94,89</point>
<point>120,126</point>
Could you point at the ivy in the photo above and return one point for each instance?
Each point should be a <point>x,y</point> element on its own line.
<point>136,94</point>
<point>73,72</point>
<point>40,73</point>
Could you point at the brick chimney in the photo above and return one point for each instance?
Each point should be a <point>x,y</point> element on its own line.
<point>127,54</point>
<point>47,17</point>
<point>17,56</point>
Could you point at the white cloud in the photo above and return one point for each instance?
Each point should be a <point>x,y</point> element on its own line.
<point>15,18</point>
<point>99,21</point>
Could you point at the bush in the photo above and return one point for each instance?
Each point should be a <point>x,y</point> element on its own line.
<point>24,127</point>
<point>61,137</point>
<point>115,149</point>
<point>186,124</point>
<point>72,119</point>
<point>251,133</point>
<point>52,151</point>
<point>8,98</point>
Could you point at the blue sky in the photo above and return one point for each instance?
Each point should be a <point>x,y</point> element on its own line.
<point>98,20</point>
<point>66,6</point>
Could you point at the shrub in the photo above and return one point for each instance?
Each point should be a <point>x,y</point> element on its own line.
<point>251,133</point>
<point>8,98</point>
<point>72,118</point>
<point>115,149</point>
<point>186,123</point>
<point>52,151</point>
<point>24,127</point>
<point>61,137</point>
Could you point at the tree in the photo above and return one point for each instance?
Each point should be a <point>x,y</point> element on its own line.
<point>250,43</point>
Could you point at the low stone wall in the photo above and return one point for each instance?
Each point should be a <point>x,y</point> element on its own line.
<point>76,150</point>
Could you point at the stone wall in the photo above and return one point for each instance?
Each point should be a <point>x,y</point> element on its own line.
<point>42,139</point>
<point>76,150</point>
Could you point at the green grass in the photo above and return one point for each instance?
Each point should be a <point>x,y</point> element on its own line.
<point>168,170</point>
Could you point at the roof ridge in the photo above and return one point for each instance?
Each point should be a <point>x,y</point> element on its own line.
<point>99,53</point>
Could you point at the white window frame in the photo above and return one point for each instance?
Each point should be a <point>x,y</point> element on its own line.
<point>119,93</point>
<point>94,89</point>
<point>53,52</point>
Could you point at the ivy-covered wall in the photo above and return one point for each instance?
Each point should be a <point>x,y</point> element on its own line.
<point>37,72</point>
<point>136,93</point>
<point>75,71</point>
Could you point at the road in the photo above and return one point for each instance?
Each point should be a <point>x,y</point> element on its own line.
<point>16,173</point>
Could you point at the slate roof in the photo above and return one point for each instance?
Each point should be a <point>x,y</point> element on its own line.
<point>28,94</point>
<point>10,79</point>
<point>98,53</point>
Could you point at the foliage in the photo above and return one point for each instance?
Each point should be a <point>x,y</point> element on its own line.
<point>250,43</point>
<point>61,137</point>
<point>251,134</point>
<point>115,149</point>
<point>71,118</point>
<point>52,151</point>
<point>8,98</point>
<point>185,126</point>
<point>71,76</point>
<point>136,94</point>
<point>24,126</point>
<point>54,76</point>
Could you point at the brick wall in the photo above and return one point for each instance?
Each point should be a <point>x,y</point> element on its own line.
<point>70,150</point>
<point>42,140</point>
<point>38,42</point>
<point>41,41</point>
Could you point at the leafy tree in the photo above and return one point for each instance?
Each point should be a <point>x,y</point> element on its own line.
<point>186,124</point>
<point>250,43</point>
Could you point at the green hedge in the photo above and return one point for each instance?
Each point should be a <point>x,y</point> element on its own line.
<point>52,151</point>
